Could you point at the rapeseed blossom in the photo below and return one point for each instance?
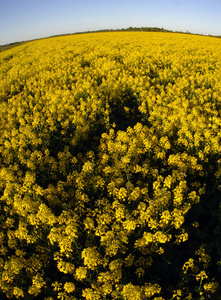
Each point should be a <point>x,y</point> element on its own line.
<point>110,167</point>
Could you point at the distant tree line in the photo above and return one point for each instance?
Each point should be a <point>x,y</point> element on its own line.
<point>154,29</point>
<point>11,45</point>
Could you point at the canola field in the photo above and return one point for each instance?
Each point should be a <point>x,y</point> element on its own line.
<point>110,167</point>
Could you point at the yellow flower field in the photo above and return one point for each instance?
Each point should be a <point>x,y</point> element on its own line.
<point>110,167</point>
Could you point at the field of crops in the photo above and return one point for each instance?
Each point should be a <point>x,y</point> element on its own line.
<point>110,167</point>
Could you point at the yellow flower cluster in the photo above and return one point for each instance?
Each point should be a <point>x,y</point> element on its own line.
<point>110,148</point>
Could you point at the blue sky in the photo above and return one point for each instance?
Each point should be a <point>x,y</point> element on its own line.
<point>30,19</point>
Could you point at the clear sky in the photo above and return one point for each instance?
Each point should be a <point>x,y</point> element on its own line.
<point>30,19</point>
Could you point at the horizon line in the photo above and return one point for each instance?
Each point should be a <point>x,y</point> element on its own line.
<point>140,29</point>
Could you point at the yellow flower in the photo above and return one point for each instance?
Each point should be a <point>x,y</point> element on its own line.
<point>81,273</point>
<point>202,275</point>
<point>129,225</point>
<point>91,257</point>
<point>211,286</point>
<point>69,287</point>
<point>188,265</point>
<point>131,292</point>
<point>18,292</point>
